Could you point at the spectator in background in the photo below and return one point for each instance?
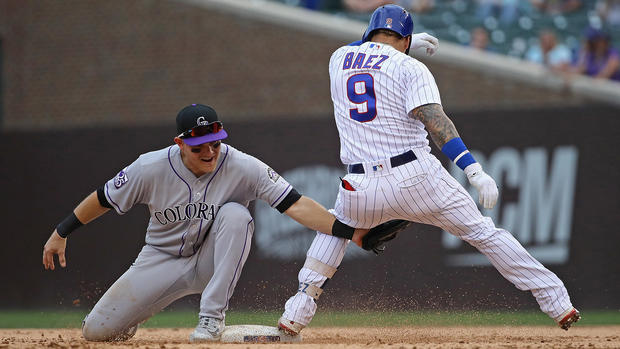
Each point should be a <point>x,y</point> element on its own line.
<point>555,7</point>
<point>506,10</point>
<point>549,53</point>
<point>415,6</point>
<point>319,5</point>
<point>364,5</point>
<point>609,11</point>
<point>479,39</point>
<point>311,4</point>
<point>597,58</point>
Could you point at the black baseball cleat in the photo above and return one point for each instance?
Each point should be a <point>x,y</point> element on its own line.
<point>570,318</point>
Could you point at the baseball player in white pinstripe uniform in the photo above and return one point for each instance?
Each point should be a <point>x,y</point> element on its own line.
<point>385,102</point>
<point>199,232</point>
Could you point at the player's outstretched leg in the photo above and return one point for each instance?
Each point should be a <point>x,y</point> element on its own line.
<point>513,261</point>
<point>460,216</point>
<point>322,260</point>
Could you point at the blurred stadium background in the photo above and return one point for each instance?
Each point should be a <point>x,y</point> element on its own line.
<point>87,86</point>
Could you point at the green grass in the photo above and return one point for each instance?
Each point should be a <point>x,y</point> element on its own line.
<point>73,319</point>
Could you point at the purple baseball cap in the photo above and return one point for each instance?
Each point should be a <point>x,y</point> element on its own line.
<point>198,124</point>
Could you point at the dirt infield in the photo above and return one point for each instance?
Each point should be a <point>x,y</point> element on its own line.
<point>321,337</point>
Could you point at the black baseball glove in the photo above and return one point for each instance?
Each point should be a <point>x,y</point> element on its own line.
<point>377,237</point>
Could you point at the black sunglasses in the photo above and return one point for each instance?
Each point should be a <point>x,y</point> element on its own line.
<point>201,130</point>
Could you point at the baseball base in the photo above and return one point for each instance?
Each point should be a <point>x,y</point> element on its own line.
<point>256,334</point>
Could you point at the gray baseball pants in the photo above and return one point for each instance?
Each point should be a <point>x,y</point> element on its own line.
<point>156,279</point>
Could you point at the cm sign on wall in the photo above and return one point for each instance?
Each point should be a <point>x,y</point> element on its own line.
<point>541,215</point>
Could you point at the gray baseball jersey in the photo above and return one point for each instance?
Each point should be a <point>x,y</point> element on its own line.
<point>183,207</point>
<point>198,238</point>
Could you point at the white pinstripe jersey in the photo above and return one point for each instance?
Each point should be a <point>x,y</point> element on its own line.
<point>373,88</point>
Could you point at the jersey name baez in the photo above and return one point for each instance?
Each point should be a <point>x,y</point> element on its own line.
<point>373,88</point>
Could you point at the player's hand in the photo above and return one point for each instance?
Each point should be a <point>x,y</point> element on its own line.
<point>487,189</point>
<point>425,41</point>
<point>358,234</point>
<point>54,245</point>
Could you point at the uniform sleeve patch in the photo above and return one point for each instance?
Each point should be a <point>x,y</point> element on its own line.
<point>273,175</point>
<point>120,179</point>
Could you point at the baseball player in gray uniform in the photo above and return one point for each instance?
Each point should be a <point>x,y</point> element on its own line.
<point>199,232</point>
<point>384,103</point>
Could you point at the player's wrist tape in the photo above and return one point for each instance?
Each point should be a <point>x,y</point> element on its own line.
<point>458,153</point>
<point>342,230</point>
<point>68,225</point>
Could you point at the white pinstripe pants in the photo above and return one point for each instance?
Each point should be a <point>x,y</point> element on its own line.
<point>423,191</point>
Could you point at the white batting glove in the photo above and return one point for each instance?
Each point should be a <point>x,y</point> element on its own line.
<point>487,189</point>
<point>425,41</point>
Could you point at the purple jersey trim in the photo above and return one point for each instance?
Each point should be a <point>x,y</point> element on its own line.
<point>118,208</point>
<point>279,197</point>
<point>190,196</point>
<point>204,196</point>
<point>183,242</point>
<point>228,293</point>
<point>178,175</point>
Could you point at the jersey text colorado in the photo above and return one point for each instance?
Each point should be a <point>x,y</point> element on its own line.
<point>180,213</point>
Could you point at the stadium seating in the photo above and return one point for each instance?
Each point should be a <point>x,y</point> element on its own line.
<point>453,20</point>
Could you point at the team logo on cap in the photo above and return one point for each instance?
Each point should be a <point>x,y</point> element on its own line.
<point>201,121</point>
<point>120,179</point>
<point>388,23</point>
<point>272,175</point>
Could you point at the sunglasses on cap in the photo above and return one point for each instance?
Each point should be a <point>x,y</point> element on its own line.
<point>201,130</point>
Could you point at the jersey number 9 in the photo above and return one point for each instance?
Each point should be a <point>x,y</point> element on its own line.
<point>361,91</point>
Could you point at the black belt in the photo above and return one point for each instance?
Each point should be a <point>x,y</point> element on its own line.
<point>395,161</point>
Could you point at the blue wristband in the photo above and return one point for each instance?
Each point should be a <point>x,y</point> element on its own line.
<point>456,150</point>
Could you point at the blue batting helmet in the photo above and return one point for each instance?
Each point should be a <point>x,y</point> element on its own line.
<point>390,17</point>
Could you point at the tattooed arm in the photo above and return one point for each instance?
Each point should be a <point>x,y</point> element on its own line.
<point>444,134</point>
<point>438,124</point>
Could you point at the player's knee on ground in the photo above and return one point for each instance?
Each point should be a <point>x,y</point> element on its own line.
<point>100,330</point>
